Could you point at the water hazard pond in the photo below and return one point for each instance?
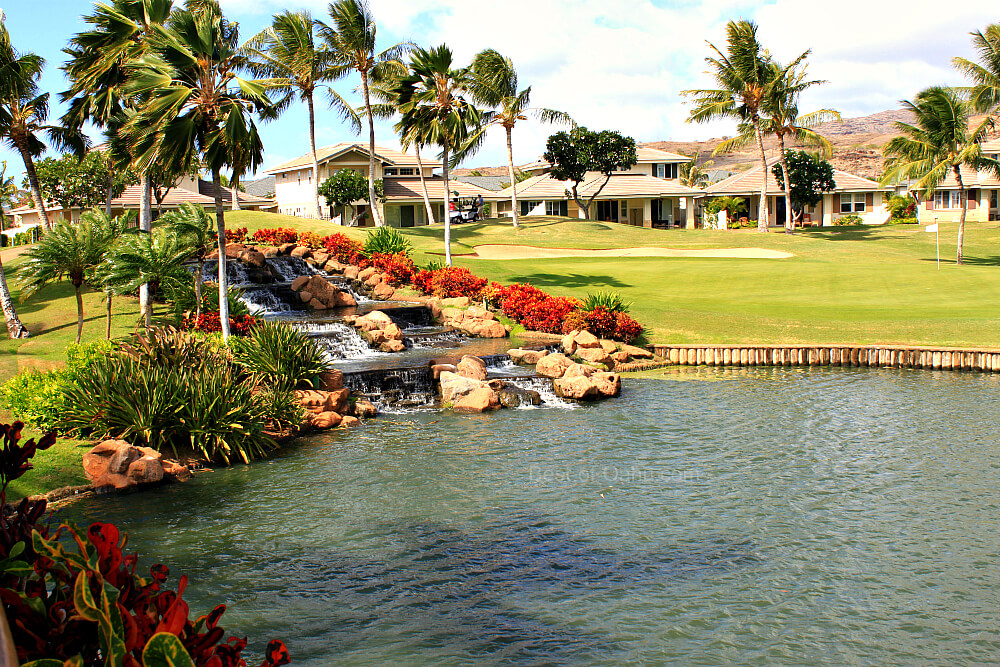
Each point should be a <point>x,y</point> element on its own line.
<point>767,516</point>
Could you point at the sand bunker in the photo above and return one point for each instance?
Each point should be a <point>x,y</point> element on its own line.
<point>531,252</point>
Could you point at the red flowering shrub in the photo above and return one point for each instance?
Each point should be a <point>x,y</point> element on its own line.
<point>517,301</point>
<point>626,328</point>
<point>311,240</point>
<point>210,322</point>
<point>449,282</point>
<point>397,266</point>
<point>535,309</point>
<point>603,323</point>
<point>238,235</point>
<point>275,236</point>
<point>346,250</point>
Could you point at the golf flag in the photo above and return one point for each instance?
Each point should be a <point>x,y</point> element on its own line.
<point>931,228</point>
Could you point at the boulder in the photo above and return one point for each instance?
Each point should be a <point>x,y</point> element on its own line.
<point>310,398</point>
<point>620,357</point>
<point>365,274</point>
<point>299,283</point>
<point>637,352</point>
<point>477,400</point>
<point>344,299</point>
<point>380,318</point>
<point>320,257</point>
<point>579,370</point>
<point>351,272</point>
<point>325,420</point>
<point>331,380</point>
<point>435,307</point>
<point>586,339</point>
<point>595,355</point>
<point>577,387</point>
<point>452,315</point>
<point>144,470</point>
<point>109,457</point>
<point>454,386</point>
<point>301,251</point>
<point>364,409</point>
<point>374,338</point>
<point>521,356</point>
<point>333,266</point>
<point>392,331</point>
<point>337,401</point>
<point>374,280</point>
<point>269,251</point>
<point>491,329</point>
<point>286,248</point>
<point>569,342</point>
<point>608,384</point>
<point>176,471</point>
<point>348,421</point>
<point>609,346</point>
<point>513,397</point>
<point>321,289</point>
<point>392,346</point>
<point>553,365</point>
<point>384,292</point>
<point>305,296</point>
<point>253,258</point>
<point>456,302</point>
<point>233,250</point>
<point>472,367</point>
<point>316,304</point>
<point>437,369</point>
<point>478,313</point>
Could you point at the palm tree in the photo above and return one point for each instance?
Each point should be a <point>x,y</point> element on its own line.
<point>65,251</point>
<point>985,74</point>
<point>23,113</point>
<point>692,173</point>
<point>14,326</point>
<point>351,42</point>
<point>196,107</point>
<point>193,226</point>
<point>495,85</point>
<point>110,231</point>
<point>287,53</point>
<point>939,143</point>
<point>433,105</point>
<point>744,76</point>
<point>155,259</point>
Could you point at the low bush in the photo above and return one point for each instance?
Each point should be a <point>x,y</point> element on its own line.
<point>901,208</point>
<point>603,323</point>
<point>75,598</point>
<point>903,221</point>
<point>275,236</point>
<point>282,409</point>
<point>311,240</point>
<point>276,354</point>
<point>343,248</point>
<point>182,300</point>
<point>845,220</point>
<point>533,308</point>
<point>238,235</point>
<point>398,267</point>
<point>450,282</point>
<point>210,322</point>
<point>386,240</point>
<point>611,301</point>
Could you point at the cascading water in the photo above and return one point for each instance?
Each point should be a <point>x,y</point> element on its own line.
<point>287,269</point>
<point>263,302</point>
<point>236,273</point>
<point>396,389</point>
<point>338,340</point>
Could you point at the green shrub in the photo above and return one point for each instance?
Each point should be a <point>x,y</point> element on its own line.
<point>276,354</point>
<point>902,207</point>
<point>434,265</point>
<point>167,346</point>
<point>386,240</point>
<point>34,398</point>
<point>182,300</point>
<point>609,301</point>
<point>903,221</point>
<point>844,220</point>
<point>281,407</point>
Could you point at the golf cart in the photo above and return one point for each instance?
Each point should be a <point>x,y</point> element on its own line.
<point>466,210</point>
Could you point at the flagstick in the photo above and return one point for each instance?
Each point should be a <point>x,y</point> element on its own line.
<point>937,237</point>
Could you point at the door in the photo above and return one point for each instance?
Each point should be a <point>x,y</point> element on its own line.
<point>779,210</point>
<point>406,214</point>
<point>635,217</point>
<point>607,211</point>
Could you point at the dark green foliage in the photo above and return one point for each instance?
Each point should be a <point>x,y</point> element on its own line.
<point>79,182</point>
<point>281,407</point>
<point>733,206</point>
<point>279,355</point>
<point>810,175</point>
<point>386,240</point>
<point>348,186</point>
<point>572,154</point>
<point>848,220</point>
<point>902,207</point>
<point>609,301</point>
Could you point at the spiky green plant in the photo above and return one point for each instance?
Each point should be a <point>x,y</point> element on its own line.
<point>386,240</point>
<point>193,225</point>
<point>155,259</point>
<point>610,301</point>
<point>279,355</point>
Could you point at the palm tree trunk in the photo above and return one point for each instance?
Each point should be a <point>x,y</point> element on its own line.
<point>513,179</point>
<point>373,204</point>
<point>789,223</point>
<point>447,206</point>
<point>79,313</point>
<point>14,326</point>
<point>423,186</point>
<point>235,193</point>
<point>197,286</point>
<point>762,213</point>
<point>220,226</point>
<point>107,331</point>
<point>961,215</point>
<point>146,225</point>
<point>111,189</point>
<point>36,189</point>
<point>315,158</point>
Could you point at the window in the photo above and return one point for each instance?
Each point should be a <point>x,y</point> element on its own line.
<point>406,171</point>
<point>390,171</point>
<point>947,199</point>
<point>852,202</point>
<point>666,170</point>
<point>557,208</point>
<point>527,206</point>
<point>993,198</point>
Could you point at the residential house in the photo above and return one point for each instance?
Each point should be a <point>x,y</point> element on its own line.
<point>649,194</point>
<point>853,195</point>
<point>944,204</point>
<point>400,174</point>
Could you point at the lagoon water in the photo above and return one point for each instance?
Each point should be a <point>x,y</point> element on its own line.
<point>761,516</point>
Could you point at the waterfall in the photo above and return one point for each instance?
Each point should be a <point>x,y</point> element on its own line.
<point>543,386</point>
<point>395,389</point>
<point>338,340</point>
<point>429,338</point>
<point>287,269</point>
<point>263,302</point>
<point>235,272</point>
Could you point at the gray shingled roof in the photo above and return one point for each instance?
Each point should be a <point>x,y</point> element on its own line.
<point>486,182</point>
<point>262,187</point>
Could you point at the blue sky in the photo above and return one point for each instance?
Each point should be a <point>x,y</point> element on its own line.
<point>615,64</point>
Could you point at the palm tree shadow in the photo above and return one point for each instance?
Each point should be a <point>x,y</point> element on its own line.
<point>858,233</point>
<point>569,280</point>
<point>973,261</point>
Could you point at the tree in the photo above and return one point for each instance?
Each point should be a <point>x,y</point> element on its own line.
<point>572,154</point>
<point>937,145</point>
<point>435,106</point>
<point>66,251</point>
<point>155,259</point>
<point>193,226</point>
<point>109,231</point>
<point>744,77</point>
<point>348,186</point>
<point>288,55</point>
<point>23,113</point>
<point>196,107</point>
<point>495,85</point>
<point>75,182</point>
<point>733,206</point>
<point>692,173</point>
<point>810,176</point>
<point>351,41</point>
<point>14,327</point>
<point>985,75</point>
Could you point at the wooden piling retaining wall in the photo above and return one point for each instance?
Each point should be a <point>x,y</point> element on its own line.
<point>863,356</point>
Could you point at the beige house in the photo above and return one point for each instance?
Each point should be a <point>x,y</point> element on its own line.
<point>399,171</point>
<point>649,194</point>
<point>944,204</point>
<point>853,195</point>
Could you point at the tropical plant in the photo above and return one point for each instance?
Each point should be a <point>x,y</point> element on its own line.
<point>193,226</point>
<point>196,107</point>
<point>155,259</point>
<point>434,102</point>
<point>74,182</point>
<point>744,77</point>
<point>692,173</point>
<point>519,176</point>
<point>810,176</point>
<point>936,146</point>
<point>281,407</point>
<point>348,186</point>
<point>351,40</point>
<point>386,241</point>
<point>279,355</point>
<point>610,301</point>
<point>575,153</point>
<point>902,208</point>
<point>495,85</point>
<point>65,251</point>
<point>14,327</point>
<point>985,74</point>
<point>110,231</point>
<point>23,112</point>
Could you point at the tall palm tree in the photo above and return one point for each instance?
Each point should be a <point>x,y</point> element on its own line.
<point>23,112</point>
<point>66,251</point>
<point>155,259</point>
<point>495,85</point>
<point>692,173</point>
<point>14,326</point>
<point>110,230</point>
<point>985,74</point>
<point>435,105</point>
<point>938,144</point>
<point>351,42</point>
<point>196,107</point>
<point>192,224</point>
<point>744,76</point>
